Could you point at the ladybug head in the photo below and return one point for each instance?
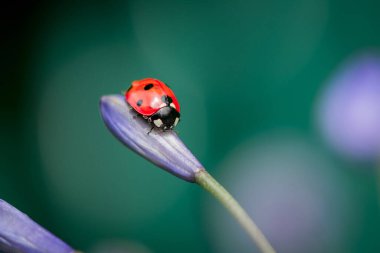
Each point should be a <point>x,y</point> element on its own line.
<point>166,118</point>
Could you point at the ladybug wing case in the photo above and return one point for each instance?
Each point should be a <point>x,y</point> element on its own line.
<point>147,96</point>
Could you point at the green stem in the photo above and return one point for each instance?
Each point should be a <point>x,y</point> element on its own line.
<point>211,185</point>
<point>378,177</point>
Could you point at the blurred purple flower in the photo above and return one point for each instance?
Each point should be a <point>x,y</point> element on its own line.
<point>164,149</point>
<point>19,234</point>
<point>349,109</point>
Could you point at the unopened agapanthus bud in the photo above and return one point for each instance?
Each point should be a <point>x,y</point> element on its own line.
<point>162,148</point>
<point>20,234</point>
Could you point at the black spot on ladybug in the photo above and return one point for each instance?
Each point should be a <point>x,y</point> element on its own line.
<point>148,86</point>
<point>166,99</point>
<point>130,87</point>
<point>139,102</point>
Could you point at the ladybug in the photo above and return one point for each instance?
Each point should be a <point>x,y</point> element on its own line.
<point>155,101</point>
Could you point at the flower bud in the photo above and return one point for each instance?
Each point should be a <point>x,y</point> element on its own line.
<point>163,148</point>
<point>20,234</point>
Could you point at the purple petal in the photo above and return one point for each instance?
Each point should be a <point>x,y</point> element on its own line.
<point>349,110</point>
<point>19,234</point>
<point>164,149</point>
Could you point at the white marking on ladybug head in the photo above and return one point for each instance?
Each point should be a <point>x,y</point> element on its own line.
<point>158,122</point>
<point>173,105</point>
<point>176,121</point>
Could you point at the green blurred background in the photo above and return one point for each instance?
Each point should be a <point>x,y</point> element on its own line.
<point>247,74</point>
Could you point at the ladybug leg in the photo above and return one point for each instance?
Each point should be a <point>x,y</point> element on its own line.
<point>134,116</point>
<point>150,130</point>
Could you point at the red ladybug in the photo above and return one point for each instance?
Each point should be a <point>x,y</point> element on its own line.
<point>155,101</point>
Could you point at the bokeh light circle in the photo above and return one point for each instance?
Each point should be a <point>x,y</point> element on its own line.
<point>293,193</point>
<point>348,109</point>
<point>118,246</point>
<point>215,37</point>
<point>90,175</point>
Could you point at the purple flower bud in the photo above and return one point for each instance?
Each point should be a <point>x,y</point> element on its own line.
<point>349,109</point>
<point>164,149</point>
<point>19,234</point>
